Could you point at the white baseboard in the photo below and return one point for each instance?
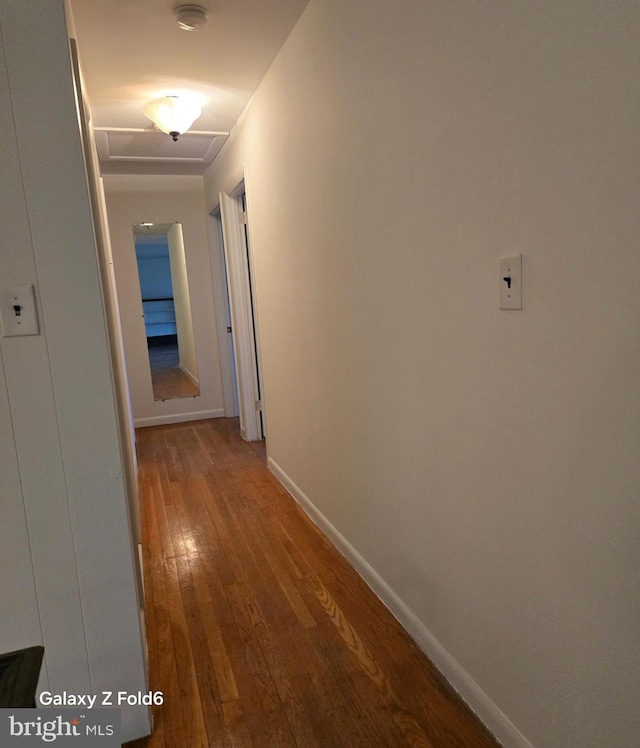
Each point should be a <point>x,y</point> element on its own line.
<point>191,376</point>
<point>141,564</point>
<point>482,705</point>
<point>178,418</point>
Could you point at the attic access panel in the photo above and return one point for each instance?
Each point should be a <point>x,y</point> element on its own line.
<point>122,145</point>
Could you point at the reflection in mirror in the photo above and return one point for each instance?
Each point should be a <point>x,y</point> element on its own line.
<point>166,307</point>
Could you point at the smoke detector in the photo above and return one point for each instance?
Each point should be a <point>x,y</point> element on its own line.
<point>191,17</point>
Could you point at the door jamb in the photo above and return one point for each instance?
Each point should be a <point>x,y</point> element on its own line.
<point>244,324</point>
<point>223,319</point>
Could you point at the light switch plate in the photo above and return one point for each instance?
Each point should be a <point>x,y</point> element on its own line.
<point>510,282</point>
<point>18,311</point>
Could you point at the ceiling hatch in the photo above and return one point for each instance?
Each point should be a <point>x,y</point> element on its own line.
<point>129,150</point>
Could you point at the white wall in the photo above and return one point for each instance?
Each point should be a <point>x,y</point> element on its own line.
<point>64,504</point>
<point>164,199</point>
<point>19,619</point>
<point>483,463</point>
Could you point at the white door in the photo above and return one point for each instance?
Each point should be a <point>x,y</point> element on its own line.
<point>242,319</point>
<point>223,317</point>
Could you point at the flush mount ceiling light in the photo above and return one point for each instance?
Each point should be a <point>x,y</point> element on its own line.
<point>191,17</point>
<point>171,114</point>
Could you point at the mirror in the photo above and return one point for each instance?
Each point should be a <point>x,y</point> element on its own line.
<point>166,307</point>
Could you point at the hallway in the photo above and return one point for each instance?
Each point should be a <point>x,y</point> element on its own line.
<point>259,632</point>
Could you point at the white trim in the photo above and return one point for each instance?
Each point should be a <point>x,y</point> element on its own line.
<point>143,596</point>
<point>480,703</point>
<point>194,159</point>
<point>234,184</point>
<point>223,319</point>
<point>155,130</point>
<point>241,318</point>
<point>199,415</point>
<point>186,371</point>
<point>254,302</point>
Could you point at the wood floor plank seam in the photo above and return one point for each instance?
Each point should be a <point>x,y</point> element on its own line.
<point>260,634</point>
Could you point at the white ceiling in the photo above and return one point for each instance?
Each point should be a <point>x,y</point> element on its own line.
<point>132,51</point>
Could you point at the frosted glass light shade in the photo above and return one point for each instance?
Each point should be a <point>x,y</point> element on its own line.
<point>172,114</point>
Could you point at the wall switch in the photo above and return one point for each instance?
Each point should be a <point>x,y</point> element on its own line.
<point>510,282</point>
<point>18,311</point>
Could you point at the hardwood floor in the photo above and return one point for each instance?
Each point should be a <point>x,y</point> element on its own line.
<point>260,633</point>
<point>172,382</point>
<point>163,352</point>
<point>167,378</point>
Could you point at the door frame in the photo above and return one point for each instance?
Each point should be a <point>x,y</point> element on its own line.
<point>244,323</point>
<point>223,316</point>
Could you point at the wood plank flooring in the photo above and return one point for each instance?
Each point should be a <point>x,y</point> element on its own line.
<point>169,383</point>
<point>167,378</point>
<point>260,633</point>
